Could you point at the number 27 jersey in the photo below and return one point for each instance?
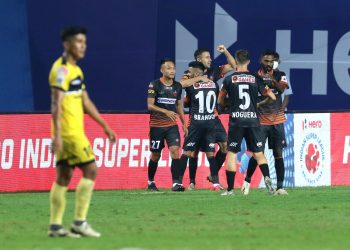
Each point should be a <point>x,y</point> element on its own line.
<point>242,89</point>
<point>203,100</point>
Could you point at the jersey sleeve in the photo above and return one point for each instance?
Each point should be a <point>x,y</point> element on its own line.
<point>152,90</point>
<point>60,78</point>
<point>282,79</point>
<point>179,92</point>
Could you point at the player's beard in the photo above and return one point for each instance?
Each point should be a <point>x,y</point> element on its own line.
<point>267,69</point>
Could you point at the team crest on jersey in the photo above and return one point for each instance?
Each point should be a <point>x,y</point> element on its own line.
<point>62,72</point>
<point>175,93</point>
<point>204,85</point>
<point>243,78</point>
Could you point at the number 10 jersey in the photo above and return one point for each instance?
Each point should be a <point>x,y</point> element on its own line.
<point>203,97</point>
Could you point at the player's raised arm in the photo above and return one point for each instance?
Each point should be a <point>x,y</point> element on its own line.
<point>230,59</point>
<point>91,110</point>
<point>57,96</point>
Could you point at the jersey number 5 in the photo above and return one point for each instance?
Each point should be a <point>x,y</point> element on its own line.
<point>244,96</point>
<point>208,100</point>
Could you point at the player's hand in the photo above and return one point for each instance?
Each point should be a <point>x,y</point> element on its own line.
<point>171,115</point>
<point>221,48</point>
<point>110,134</point>
<point>57,144</point>
<point>204,78</point>
<point>185,130</point>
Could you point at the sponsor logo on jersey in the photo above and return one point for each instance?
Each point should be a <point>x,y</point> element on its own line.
<point>75,82</point>
<point>204,85</point>
<point>164,100</point>
<point>243,78</point>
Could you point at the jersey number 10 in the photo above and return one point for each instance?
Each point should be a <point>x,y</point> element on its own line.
<point>208,100</point>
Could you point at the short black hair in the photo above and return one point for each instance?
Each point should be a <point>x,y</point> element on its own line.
<point>199,51</point>
<point>68,32</point>
<point>164,60</point>
<point>276,56</point>
<point>197,65</point>
<point>242,56</point>
<point>268,52</point>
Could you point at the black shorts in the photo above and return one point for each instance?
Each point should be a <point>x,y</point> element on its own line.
<point>220,135</point>
<point>275,134</point>
<point>203,137</point>
<point>157,136</point>
<point>252,136</point>
<point>220,132</point>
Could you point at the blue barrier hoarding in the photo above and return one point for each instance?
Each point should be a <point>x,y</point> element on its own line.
<point>127,39</point>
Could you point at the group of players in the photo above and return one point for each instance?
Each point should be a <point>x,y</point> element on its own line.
<point>256,113</point>
<point>248,97</point>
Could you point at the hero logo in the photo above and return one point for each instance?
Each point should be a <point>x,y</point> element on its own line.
<point>312,158</point>
<point>311,124</point>
<point>225,32</point>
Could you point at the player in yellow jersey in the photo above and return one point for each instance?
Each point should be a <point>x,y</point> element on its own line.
<point>69,101</point>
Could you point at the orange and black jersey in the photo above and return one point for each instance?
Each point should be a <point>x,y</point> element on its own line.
<point>164,97</point>
<point>202,100</point>
<point>243,89</point>
<point>272,113</point>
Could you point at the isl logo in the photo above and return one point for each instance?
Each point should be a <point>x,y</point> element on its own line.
<point>312,158</point>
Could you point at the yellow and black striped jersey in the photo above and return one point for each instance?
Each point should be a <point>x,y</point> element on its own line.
<point>69,78</point>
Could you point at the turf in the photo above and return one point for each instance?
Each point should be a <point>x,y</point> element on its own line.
<point>309,218</point>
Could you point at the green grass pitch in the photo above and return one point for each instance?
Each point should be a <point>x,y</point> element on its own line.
<point>309,218</point>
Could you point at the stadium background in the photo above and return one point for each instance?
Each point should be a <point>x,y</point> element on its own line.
<point>127,39</point>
